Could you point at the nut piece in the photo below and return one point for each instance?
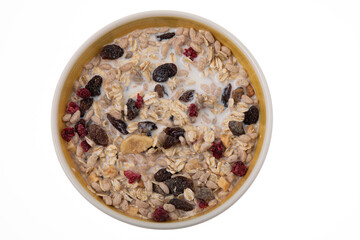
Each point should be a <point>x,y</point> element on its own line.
<point>136,144</point>
<point>223,183</point>
<point>225,138</point>
<point>250,91</point>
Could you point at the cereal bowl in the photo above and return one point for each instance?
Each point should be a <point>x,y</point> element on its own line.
<point>203,160</point>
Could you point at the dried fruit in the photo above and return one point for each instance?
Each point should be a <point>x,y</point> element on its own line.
<point>98,135</point>
<point>68,133</point>
<point>160,90</point>
<point>160,215</point>
<point>157,189</point>
<point>82,111</point>
<point>136,144</point>
<point>81,121</point>
<point>167,35</point>
<point>83,93</point>
<point>187,96</point>
<point>202,203</point>
<point>139,101</point>
<point>226,95</point>
<point>250,91</point>
<point>111,51</point>
<point>163,72</point>
<point>85,146</point>
<point>236,128</point>
<point>174,132</point>
<point>86,103</point>
<point>118,124</point>
<point>239,169</point>
<point>162,175</point>
<point>146,127</point>
<point>178,184</point>
<point>190,53</point>
<point>251,116</point>
<point>132,176</point>
<point>204,193</point>
<point>193,111</point>
<point>72,107</point>
<point>181,204</point>
<point>81,130</point>
<point>132,109</point>
<point>94,85</point>
<point>217,149</point>
<point>237,93</point>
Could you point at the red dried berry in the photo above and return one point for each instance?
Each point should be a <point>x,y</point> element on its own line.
<point>83,93</point>
<point>72,107</point>
<point>68,133</point>
<point>81,130</point>
<point>239,169</point>
<point>161,215</point>
<point>202,203</point>
<point>217,149</point>
<point>190,53</point>
<point>139,101</point>
<point>193,111</point>
<point>85,146</point>
<point>132,176</point>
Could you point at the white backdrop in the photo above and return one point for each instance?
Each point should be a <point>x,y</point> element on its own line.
<point>309,186</point>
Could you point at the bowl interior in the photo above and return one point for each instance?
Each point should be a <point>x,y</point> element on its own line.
<point>94,48</point>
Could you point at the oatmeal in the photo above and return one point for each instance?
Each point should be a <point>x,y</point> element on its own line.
<point>162,123</point>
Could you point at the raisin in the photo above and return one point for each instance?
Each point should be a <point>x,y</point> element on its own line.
<point>193,111</point>
<point>190,53</point>
<point>94,85</point>
<point>132,176</point>
<point>170,141</point>
<point>68,133</point>
<point>160,90</point>
<point>226,95</point>
<point>132,110</point>
<point>118,124</point>
<point>86,103</point>
<point>162,175</point>
<point>85,146</point>
<point>187,96</point>
<point>139,101</point>
<point>163,72</point>
<point>83,93</point>
<point>72,107</point>
<point>239,169</point>
<point>217,149</point>
<point>178,184</point>
<point>161,215</point>
<point>251,116</point>
<point>202,203</point>
<point>175,132</point>
<point>204,193</point>
<point>111,51</point>
<point>157,189</point>
<point>146,127</point>
<point>165,36</point>
<point>236,128</point>
<point>82,112</point>
<point>181,204</point>
<point>98,135</point>
<point>237,94</point>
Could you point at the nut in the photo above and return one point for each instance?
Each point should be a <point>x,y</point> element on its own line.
<point>136,144</point>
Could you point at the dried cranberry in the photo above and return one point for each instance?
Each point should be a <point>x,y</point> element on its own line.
<point>83,93</point>
<point>202,203</point>
<point>85,146</point>
<point>163,72</point>
<point>226,95</point>
<point>190,53</point>
<point>81,130</point>
<point>139,101</point>
<point>161,215</point>
<point>94,85</point>
<point>167,35</point>
<point>72,107</point>
<point>193,111</point>
<point>162,175</point>
<point>111,51</point>
<point>217,149</point>
<point>118,124</point>
<point>251,116</point>
<point>181,204</point>
<point>239,169</point>
<point>132,176</point>
<point>68,133</point>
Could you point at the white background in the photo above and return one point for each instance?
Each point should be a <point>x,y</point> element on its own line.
<point>309,186</point>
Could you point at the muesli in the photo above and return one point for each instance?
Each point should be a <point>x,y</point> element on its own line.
<point>162,123</point>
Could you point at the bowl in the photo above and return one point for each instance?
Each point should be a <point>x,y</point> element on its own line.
<point>122,27</point>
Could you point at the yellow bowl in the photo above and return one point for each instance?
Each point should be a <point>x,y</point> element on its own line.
<point>120,28</point>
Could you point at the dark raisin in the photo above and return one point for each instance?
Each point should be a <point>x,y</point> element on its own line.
<point>170,141</point>
<point>181,204</point>
<point>132,110</point>
<point>236,128</point>
<point>98,135</point>
<point>177,185</point>
<point>204,193</point>
<point>86,103</point>
<point>146,127</point>
<point>175,132</point>
<point>118,124</point>
<point>251,116</point>
<point>165,36</point>
<point>82,112</point>
<point>226,95</point>
<point>160,90</point>
<point>111,51</point>
<point>237,93</point>
<point>172,118</point>
<point>94,85</point>
<point>163,72</point>
<point>162,175</point>
<point>157,189</point>
<point>187,96</point>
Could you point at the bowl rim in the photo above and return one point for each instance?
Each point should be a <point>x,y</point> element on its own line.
<point>223,206</point>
